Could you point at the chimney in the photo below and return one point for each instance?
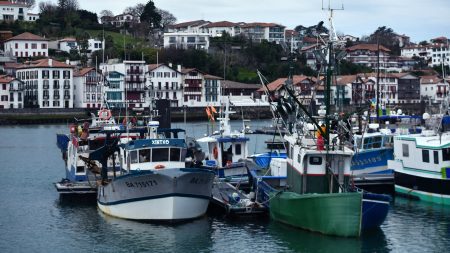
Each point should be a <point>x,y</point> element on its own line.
<point>68,62</point>
<point>50,62</point>
<point>179,68</point>
<point>170,64</point>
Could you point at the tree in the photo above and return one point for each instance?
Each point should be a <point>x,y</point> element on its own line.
<point>68,5</point>
<point>167,18</point>
<point>136,10</point>
<point>106,13</point>
<point>150,15</point>
<point>386,37</point>
<point>423,43</point>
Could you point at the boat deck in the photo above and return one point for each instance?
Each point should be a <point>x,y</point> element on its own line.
<point>231,201</point>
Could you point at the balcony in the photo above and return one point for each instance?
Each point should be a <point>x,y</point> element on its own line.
<point>135,71</point>
<point>66,86</point>
<point>55,96</point>
<point>46,87</point>
<point>45,97</point>
<point>135,80</point>
<point>66,96</point>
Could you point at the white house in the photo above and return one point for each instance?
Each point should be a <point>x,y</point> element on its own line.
<point>433,88</point>
<point>32,17</point>
<point>26,45</point>
<point>11,92</point>
<point>164,82</point>
<point>216,29</point>
<point>48,84</point>
<point>88,88</point>
<point>11,11</point>
<point>264,31</point>
<point>184,40</point>
<point>197,26</point>
<point>94,45</point>
<point>67,44</point>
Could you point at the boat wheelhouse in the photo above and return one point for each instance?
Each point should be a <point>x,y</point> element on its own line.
<point>422,166</point>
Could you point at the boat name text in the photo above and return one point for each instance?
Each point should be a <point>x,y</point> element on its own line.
<point>160,142</point>
<point>142,184</point>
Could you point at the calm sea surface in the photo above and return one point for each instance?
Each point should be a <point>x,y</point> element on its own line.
<point>34,219</point>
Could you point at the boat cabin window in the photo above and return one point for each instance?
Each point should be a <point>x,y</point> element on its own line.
<point>436,157</point>
<point>237,149</point>
<point>405,149</point>
<point>144,155</point>
<point>388,141</point>
<point>315,160</point>
<point>133,156</point>
<point>446,154</point>
<point>377,141</point>
<point>160,154</point>
<point>175,154</point>
<point>80,169</point>
<point>425,156</point>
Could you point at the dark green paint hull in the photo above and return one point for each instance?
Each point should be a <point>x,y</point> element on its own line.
<point>332,214</point>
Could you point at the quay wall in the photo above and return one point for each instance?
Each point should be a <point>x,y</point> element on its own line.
<point>68,115</point>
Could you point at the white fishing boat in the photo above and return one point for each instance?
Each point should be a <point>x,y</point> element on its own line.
<point>154,184</point>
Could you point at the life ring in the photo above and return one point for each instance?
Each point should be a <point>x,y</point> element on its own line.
<point>215,152</point>
<point>104,114</point>
<point>159,166</point>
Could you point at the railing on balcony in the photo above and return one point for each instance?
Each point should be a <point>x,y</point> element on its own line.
<point>46,86</point>
<point>135,71</point>
<point>55,96</point>
<point>45,96</point>
<point>135,80</point>
<point>66,86</point>
<point>66,96</point>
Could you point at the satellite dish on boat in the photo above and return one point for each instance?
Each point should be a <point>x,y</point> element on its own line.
<point>426,116</point>
<point>399,112</point>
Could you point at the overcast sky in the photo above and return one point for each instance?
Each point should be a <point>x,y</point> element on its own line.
<point>419,19</point>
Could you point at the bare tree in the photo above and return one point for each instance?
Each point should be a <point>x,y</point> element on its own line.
<point>106,13</point>
<point>167,18</point>
<point>45,7</point>
<point>68,5</point>
<point>135,10</point>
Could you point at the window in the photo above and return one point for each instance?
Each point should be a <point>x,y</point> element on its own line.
<point>405,148</point>
<point>425,156</point>
<point>175,154</point>
<point>446,154</point>
<point>315,160</point>
<point>436,157</point>
<point>160,154</point>
<point>26,45</point>
<point>33,46</point>
<point>133,157</point>
<point>43,46</point>
<point>238,149</point>
<point>144,155</point>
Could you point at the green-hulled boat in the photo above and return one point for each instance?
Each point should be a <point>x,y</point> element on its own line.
<point>316,199</point>
<point>329,214</point>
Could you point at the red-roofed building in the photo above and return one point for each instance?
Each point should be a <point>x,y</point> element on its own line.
<point>366,54</point>
<point>11,11</point>
<point>11,92</point>
<point>258,31</point>
<point>26,45</point>
<point>433,88</point>
<point>165,82</point>
<point>303,85</point>
<point>48,84</point>
<point>216,29</point>
<point>88,88</point>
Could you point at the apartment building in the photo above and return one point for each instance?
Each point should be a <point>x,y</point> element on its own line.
<point>258,32</point>
<point>11,92</point>
<point>48,84</point>
<point>164,82</point>
<point>12,11</point>
<point>26,45</point>
<point>433,88</point>
<point>88,88</point>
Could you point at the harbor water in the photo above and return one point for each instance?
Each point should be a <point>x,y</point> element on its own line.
<point>33,218</point>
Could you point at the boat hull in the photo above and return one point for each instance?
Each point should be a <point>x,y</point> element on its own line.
<point>166,195</point>
<point>427,189</point>
<point>337,214</point>
<point>373,161</point>
<point>375,210</point>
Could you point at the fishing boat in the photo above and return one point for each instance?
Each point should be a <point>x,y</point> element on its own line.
<point>154,183</point>
<point>422,163</point>
<point>83,138</point>
<point>226,150</point>
<point>317,195</point>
